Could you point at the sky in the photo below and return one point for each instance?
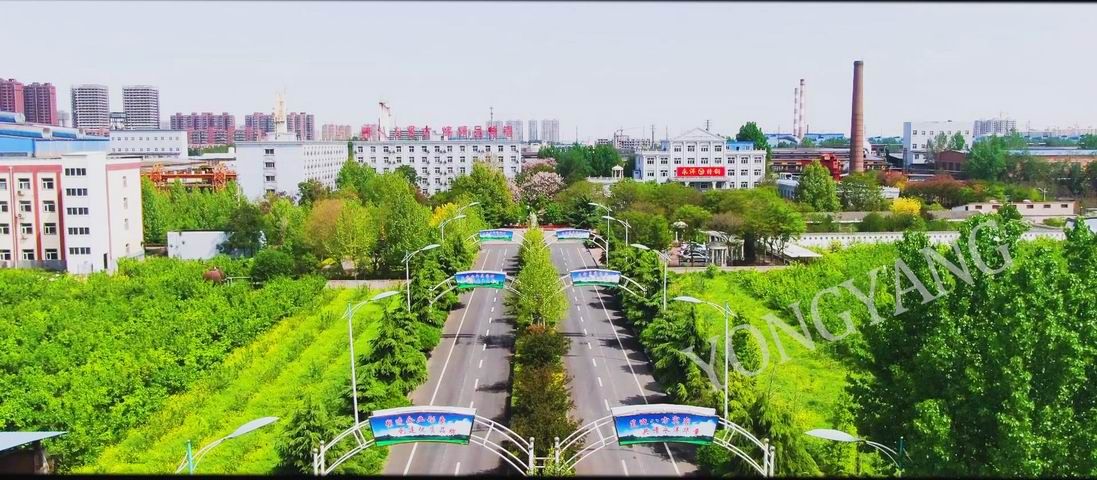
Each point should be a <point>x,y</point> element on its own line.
<point>595,67</point>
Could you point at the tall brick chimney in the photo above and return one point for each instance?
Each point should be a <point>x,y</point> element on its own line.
<point>857,121</point>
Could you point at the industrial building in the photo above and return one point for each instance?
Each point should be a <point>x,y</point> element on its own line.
<point>702,160</point>
<point>149,143</point>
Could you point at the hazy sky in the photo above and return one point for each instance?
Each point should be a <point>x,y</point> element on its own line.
<point>597,67</point>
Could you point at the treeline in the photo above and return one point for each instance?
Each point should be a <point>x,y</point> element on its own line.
<point>540,397</point>
<point>95,357</point>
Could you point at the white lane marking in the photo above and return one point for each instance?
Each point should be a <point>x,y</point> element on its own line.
<point>595,362</point>
<point>495,299</point>
<point>487,332</point>
<point>472,403</point>
<point>485,347</point>
<point>589,347</point>
<point>445,365</point>
<point>476,384</point>
<point>458,468</point>
<point>622,466</point>
<point>481,363</point>
<point>607,403</point>
<point>408,466</point>
<point>580,319</point>
<point>585,334</point>
<point>600,381</point>
<point>493,309</point>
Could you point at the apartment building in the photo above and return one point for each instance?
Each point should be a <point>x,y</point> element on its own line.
<point>279,165</point>
<point>702,160</point>
<point>77,212</point>
<point>438,162</point>
<point>90,107</point>
<point>206,129</point>
<point>917,134</point>
<point>149,143</point>
<point>550,131</point>
<point>332,133</point>
<point>141,106</point>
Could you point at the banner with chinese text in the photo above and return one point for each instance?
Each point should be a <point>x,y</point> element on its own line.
<point>693,172</point>
<point>480,278</point>
<point>422,424</point>
<point>572,234</point>
<point>506,235</point>
<point>595,276</point>
<point>664,423</point>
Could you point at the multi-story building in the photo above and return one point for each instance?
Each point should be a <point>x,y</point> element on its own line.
<point>917,134</point>
<point>11,95</point>
<point>40,103</point>
<point>117,120</point>
<point>517,130</point>
<point>994,126</point>
<point>702,160</point>
<point>331,133</point>
<point>303,124</point>
<point>623,142</point>
<point>279,165</point>
<point>78,212</point>
<point>206,129</point>
<point>257,125</point>
<point>149,143</point>
<point>438,162</point>
<point>64,119</point>
<point>90,108</point>
<point>550,131</point>
<point>141,104</point>
<point>533,136</point>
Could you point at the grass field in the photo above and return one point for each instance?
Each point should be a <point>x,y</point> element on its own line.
<point>302,355</point>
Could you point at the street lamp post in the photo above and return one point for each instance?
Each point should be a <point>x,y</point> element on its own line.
<point>840,436</point>
<point>679,225</point>
<point>666,260</point>
<point>442,226</point>
<point>190,461</point>
<point>599,205</point>
<point>726,310</point>
<point>622,222</point>
<point>473,204</point>
<point>407,268</point>
<point>350,334</point>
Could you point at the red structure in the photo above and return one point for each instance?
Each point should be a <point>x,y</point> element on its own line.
<point>203,177</point>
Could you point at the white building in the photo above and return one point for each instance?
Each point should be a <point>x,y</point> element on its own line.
<point>279,165</point>
<point>703,160</point>
<point>149,143</point>
<point>78,212</point>
<point>438,162</point>
<point>1033,211</point>
<point>532,135</point>
<point>917,134</point>
<point>90,107</point>
<point>550,131</point>
<point>994,126</point>
<point>141,104</point>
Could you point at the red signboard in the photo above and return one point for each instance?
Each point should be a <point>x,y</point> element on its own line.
<point>694,172</point>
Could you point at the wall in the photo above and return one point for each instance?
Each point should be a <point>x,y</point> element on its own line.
<point>824,240</point>
<point>195,245</point>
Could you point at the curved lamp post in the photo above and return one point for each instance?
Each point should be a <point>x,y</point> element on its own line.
<point>407,267</point>
<point>726,310</point>
<point>442,226</point>
<point>350,333</point>
<point>473,204</point>
<point>622,222</point>
<point>190,461</point>
<point>840,436</point>
<point>666,260</point>
<point>599,205</point>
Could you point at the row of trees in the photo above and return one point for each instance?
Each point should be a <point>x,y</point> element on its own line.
<point>577,162</point>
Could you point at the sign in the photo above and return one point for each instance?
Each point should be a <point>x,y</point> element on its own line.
<point>664,423</point>
<point>480,278</point>
<point>595,276</point>
<point>696,172</point>
<point>506,235</point>
<point>572,234</point>
<point>422,424</point>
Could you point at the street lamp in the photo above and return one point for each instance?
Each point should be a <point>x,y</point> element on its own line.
<point>599,205</point>
<point>666,260</point>
<point>840,436</point>
<point>678,226</point>
<point>726,310</point>
<point>190,461</point>
<point>350,333</point>
<point>442,227</point>
<point>622,222</point>
<point>407,268</point>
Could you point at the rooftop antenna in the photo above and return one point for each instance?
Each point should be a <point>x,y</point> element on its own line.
<point>707,125</point>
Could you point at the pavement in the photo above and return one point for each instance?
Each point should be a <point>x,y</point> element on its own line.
<point>470,367</point>
<point>609,369</point>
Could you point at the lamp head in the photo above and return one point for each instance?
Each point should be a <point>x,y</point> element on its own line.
<point>831,434</point>
<point>641,247</point>
<point>686,298</point>
<point>252,425</point>
<point>384,295</point>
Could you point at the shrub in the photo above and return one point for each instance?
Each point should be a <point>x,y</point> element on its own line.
<point>270,263</point>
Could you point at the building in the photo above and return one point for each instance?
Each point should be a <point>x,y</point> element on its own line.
<point>550,131</point>
<point>917,134</point>
<point>517,130</point>
<point>533,136</point>
<point>78,212</point>
<point>64,119</point>
<point>787,185</point>
<point>775,139</point>
<point>793,160</point>
<point>11,95</point>
<point>21,139</point>
<point>206,129</point>
<point>702,160</point>
<point>40,103</point>
<point>625,143</point>
<point>1035,212</point>
<point>117,120</point>
<point>91,108</point>
<point>149,143</point>
<point>994,126</point>
<point>141,104</point>
<point>1061,155</point>
<point>258,125</point>
<point>438,162</point>
<point>333,133</point>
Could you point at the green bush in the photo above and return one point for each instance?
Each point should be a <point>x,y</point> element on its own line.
<point>270,263</point>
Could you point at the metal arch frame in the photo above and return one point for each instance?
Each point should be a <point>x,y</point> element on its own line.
<point>565,279</point>
<point>454,287</point>
<point>525,466</point>
<point>766,468</point>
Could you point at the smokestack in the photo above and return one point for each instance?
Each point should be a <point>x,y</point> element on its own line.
<point>795,112</point>
<point>800,120</point>
<point>857,121</point>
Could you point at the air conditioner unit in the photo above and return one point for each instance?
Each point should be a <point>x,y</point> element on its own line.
<point>22,193</point>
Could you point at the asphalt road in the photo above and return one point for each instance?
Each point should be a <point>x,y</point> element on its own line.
<point>470,367</point>
<point>609,369</point>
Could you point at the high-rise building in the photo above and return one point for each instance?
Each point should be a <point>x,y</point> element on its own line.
<point>90,107</point>
<point>302,124</point>
<point>550,131</point>
<point>141,104</point>
<point>994,126</point>
<point>516,129</point>
<point>206,129</point>
<point>533,137</point>
<point>258,124</point>
<point>11,95</point>
<point>330,132</point>
<point>40,103</point>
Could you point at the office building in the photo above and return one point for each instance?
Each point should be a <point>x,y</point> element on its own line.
<point>302,124</point>
<point>994,126</point>
<point>11,95</point>
<point>438,162</point>
<point>149,143</point>
<point>206,129</point>
<point>917,134</point>
<point>77,212</point>
<point>141,104</point>
<point>91,108</point>
<point>702,160</point>
<point>331,133</point>
<point>550,131</point>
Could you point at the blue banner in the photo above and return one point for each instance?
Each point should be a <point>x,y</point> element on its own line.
<point>664,423</point>
<point>595,276</point>
<point>572,234</point>
<point>480,278</point>
<point>422,424</point>
<point>506,235</point>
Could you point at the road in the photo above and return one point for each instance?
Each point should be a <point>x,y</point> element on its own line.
<point>609,369</point>
<point>473,358</point>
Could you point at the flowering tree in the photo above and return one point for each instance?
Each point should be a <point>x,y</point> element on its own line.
<point>537,189</point>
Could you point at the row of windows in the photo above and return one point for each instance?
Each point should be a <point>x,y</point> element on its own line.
<point>28,254</point>
<point>437,148</point>
<point>24,183</point>
<point>704,161</point>
<point>931,132</point>
<point>76,192</point>
<point>154,149</point>
<point>76,172</point>
<point>148,138</point>
<point>693,148</point>
<point>744,172</point>
<point>28,229</point>
<point>48,206</point>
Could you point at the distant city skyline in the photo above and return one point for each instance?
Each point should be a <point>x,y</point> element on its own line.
<point>923,62</point>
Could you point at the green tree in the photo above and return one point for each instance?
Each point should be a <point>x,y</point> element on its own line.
<point>408,172</point>
<point>308,427</point>
<point>860,192</point>
<point>402,223</point>
<point>957,142</point>
<point>817,189</point>
<point>751,133</point>
<point>694,217</point>
<point>488,186</point>
<point>312,190</point>
<point>1088,142</point>
<point>245,230</point>
<point>270,263</point>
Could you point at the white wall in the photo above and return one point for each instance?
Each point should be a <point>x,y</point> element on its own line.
<point>152,143</point>
<point>437,169</point>
<point>195,245</point>
<point>279,165</point>
<point>916,134</point>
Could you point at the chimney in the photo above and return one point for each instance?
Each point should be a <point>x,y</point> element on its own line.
<point>800,120</point>
<point>795,111</point>
<point>857,121</point>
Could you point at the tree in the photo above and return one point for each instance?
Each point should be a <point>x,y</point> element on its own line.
<point>759,216</point>
<point>312,190</point>
<point>269,264</point>
<point>835,143</point>
<point>355,177</point>
<point>936,145</point>
<point>355,236</point>
<point>408,172</point>
<point>1088,142</point>
<point>751,133</point>
<point>488,186</point>
<point>807,142</point>
<point>957,142</point>
<point>859,192</point>
<point>308,427</point>
<point>817,189</point>
<point>537,189</point>
<point>906,205</point>
<point>694,217</point>
<point>245,232</point>
<point>401,221</point>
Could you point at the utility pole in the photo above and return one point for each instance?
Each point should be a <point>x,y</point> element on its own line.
<point>491,115</point>
<point>707,125</point>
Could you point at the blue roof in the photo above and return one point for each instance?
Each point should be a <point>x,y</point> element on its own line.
<point>15,439</point>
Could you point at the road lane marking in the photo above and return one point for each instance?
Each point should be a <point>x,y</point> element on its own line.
<point>622,466</point>
<point>408,466</point>
<point>487,332</point>
<point>476,384</point>
<point>595,362</point>
<point>607,403</point>
<point>485,347</point>
<point>589,347</point>
<point>458,467</point>
<point>472,403</point>
<point>493,309</point>
<point>481,363</point>
<point>600,381</point>
<point>585,334</point>
<point>445,365</point>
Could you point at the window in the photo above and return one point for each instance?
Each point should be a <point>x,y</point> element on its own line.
<point>1062,205</point>
<point>742,184</point>
<point>650,161</point>
<point>718,148</point>
<point>4,229</point>
<point>124,182</point>
<point>51,254</point>
<point>677,148</point>
<point>28,255</point>
<point>691,161</point>
<point>47,184</point>
<point>499,148</point>
<point>463,148</point>
<point>76,192</point>
<point>270,178</point>
<point>757,171</point>
<point>757,159</point>
<point>26,228</point>
<point>81,250</point>
<point>5,254</point>
<point>76,210</point>
<point>677,160</point>
<point>690,148</point>
<point>743,172</point>
<point>268,164</point>
<point>49,206</point>
<point>663,173</point>
<point>79,231</point>
<point>704,148</point>
<point>49,229</point>
<point>3,184</point>
<point>24,184</point>
<point>125,224</point>
<point>3,207</point>
<point>24,207</point>
<point>268,151</point>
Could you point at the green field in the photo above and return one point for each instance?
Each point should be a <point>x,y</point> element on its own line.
<point>303,355</point>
